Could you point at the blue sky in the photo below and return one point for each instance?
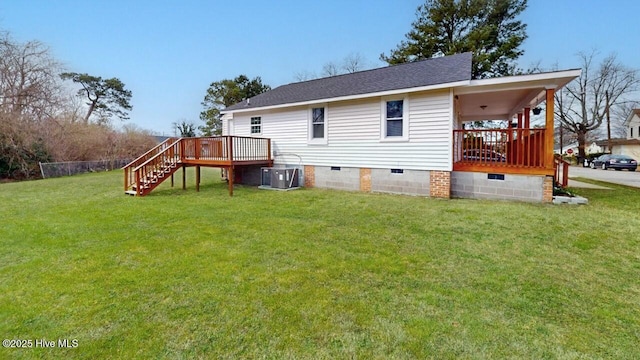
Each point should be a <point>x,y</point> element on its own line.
<point>168,52</point>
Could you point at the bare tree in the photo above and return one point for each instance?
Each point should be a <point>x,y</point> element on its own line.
<point>354,62</point>
<point>304,76</point>
<point>582,105</point>
<point>29,93</point>
<point>29,86</point>
<point>330,69</point>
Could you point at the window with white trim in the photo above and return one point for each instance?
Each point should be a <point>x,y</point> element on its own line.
<point>394,119</point>
<point>256,125</point>
<point>317,125</point>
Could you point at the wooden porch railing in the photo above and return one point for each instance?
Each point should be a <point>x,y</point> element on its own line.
<point>501,150</point>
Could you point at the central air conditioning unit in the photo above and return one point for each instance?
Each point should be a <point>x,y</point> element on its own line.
<point>280,178</point>
<point>266,176</point>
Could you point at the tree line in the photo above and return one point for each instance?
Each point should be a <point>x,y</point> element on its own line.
<point>41,120</point>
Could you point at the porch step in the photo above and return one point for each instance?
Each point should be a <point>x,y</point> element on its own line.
<point>130,192</point>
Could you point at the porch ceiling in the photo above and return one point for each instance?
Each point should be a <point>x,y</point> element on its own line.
<point>503,98</point>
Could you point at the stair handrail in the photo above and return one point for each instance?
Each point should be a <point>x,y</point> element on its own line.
<point>157,155</point>
<point>155,148</point>
<point>560,179</point>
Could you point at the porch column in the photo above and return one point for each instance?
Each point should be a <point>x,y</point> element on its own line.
<point>520,139</point>
<point>548,143</point>
<point>527,115</point>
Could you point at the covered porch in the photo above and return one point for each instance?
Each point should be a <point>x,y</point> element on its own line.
<point>521,136</point>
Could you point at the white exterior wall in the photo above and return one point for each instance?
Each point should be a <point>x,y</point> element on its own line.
<point>635,125</point>
<point>353,129</point>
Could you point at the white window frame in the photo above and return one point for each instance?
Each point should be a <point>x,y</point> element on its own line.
<point>251,125</point>
<point>310,138</point>
<point>405,119</point>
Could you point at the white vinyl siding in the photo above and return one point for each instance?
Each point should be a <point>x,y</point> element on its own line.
<point>353,131</point>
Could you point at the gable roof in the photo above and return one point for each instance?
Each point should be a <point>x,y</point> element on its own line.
<point>635,112</point>
<point>442,70</point>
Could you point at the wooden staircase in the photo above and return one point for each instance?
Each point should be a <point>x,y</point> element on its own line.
<point>148,171</point>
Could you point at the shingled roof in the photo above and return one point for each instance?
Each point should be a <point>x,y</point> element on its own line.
<point>442,70</point>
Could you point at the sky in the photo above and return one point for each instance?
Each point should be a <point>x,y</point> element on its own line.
<point>168,52</point>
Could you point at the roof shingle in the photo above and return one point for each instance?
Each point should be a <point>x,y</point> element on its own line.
<point>428,72</point>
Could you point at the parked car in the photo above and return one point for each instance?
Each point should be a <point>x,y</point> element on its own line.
<point>482,155</point>
<point>617,162</point>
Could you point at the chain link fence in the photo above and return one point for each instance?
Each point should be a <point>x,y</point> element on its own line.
<point>68,168</point>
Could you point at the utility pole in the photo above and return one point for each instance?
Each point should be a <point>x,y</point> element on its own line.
<point>606,94</point>
<point>561,145</point>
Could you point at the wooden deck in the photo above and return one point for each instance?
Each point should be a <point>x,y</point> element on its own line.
<point>145,173</point>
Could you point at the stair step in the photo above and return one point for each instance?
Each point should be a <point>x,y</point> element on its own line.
<point>131,192</point>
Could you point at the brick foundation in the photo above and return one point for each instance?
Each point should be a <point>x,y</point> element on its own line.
<point>440,184</point>
<point>309,176</point>
<point>365,179</point>
<point>547,190</point>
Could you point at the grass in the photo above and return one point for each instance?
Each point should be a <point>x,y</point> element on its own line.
<point>314,274</point>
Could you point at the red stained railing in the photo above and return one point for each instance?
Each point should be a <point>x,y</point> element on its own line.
<point>498,149</point>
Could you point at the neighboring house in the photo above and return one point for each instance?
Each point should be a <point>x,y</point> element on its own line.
<point>593,148</point>
<point>632,123</point>
<point>399,129</point>
<point>629,146</point>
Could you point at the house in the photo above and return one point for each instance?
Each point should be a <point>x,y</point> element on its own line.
<point>633,124</point>
<point>593,148</point>
<point>629,146</point>
<point>400,129</point>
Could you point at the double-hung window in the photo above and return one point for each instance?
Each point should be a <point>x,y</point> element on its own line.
<point>394,122</point>
<point>318,125</point>
<point>394,118</point>
<point>256,125</point>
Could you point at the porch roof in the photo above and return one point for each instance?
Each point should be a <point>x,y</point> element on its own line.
<point>503,98</point>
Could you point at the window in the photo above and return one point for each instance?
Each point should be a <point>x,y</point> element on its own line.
<point>317,123</point>
<point>256,125</point>
<point>397,171</point>
<point>394,119</point>
<point>631,135</point>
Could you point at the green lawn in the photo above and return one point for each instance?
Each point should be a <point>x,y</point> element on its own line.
<point>314,274</point>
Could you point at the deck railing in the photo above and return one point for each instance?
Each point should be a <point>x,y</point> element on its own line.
<point>498,149</point>
<point>227,148</point>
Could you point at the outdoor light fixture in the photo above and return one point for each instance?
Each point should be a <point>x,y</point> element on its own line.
<point>536,110</point>
<point>483,107</point>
